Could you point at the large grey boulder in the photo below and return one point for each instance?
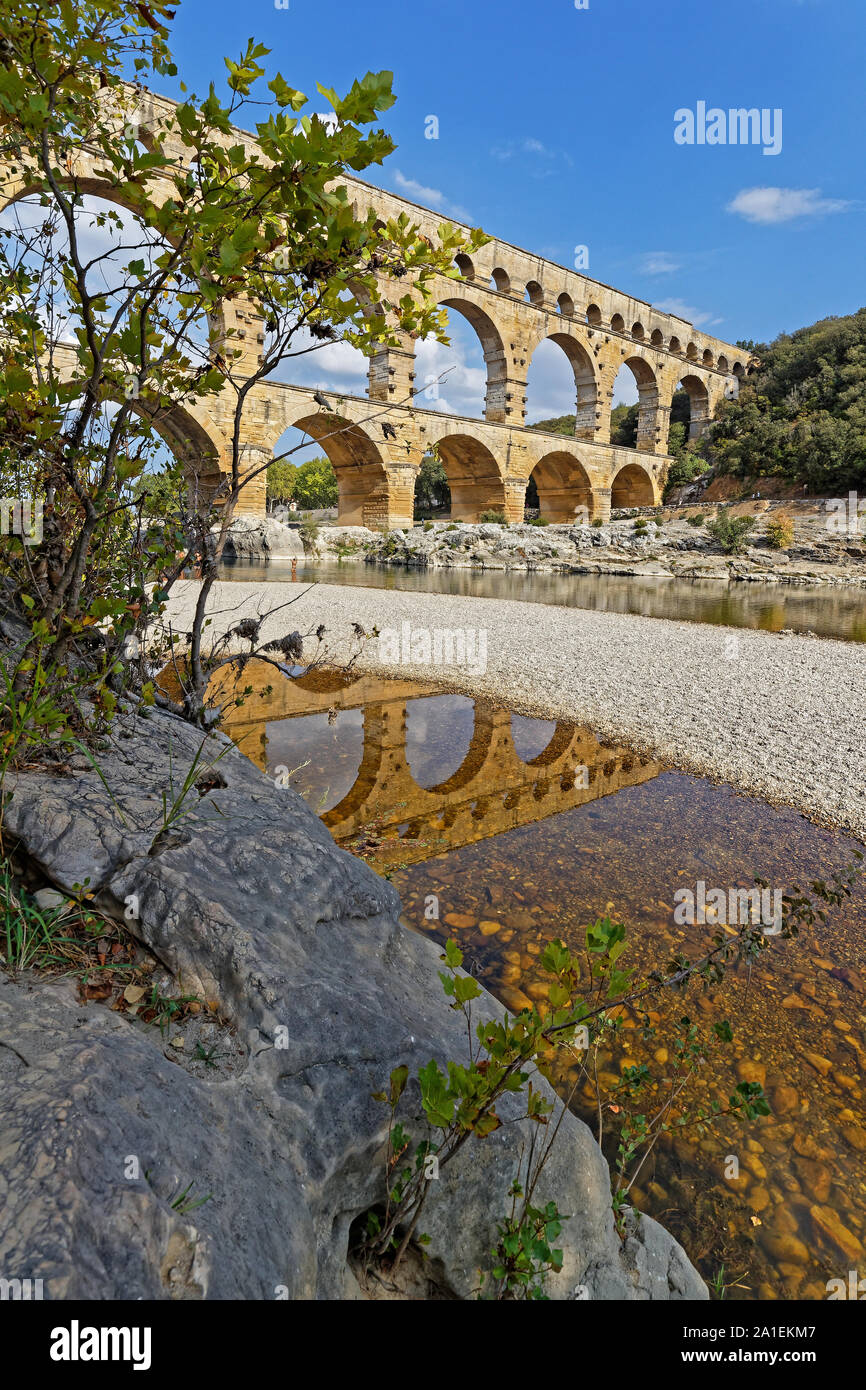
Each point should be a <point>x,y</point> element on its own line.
<point>262,538</point>
<point>247,901</point>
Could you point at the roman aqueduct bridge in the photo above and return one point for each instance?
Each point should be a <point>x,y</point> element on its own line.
<point>514,301</point>
<point>494,789</point>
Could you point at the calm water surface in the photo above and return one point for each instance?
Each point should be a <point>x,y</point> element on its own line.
<point>825,610</point>
<point>461,799</point>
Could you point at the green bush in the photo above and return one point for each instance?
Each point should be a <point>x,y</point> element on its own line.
<point>493,517</point>
<point>598,522</point>
<point>641,524</point>
<point>539,521</point>
<point>731,531</point>
<point>697,520</point>
<point>309,532</point>
<point>428,526</point>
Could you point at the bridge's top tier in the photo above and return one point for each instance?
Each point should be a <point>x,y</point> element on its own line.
<point>499,268</point>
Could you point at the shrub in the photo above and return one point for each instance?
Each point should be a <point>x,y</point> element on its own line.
<point>731,531</point>
<point>598,522</point>
<point>780,531</point>
<point>641,524</point>
<point>539,521</point>
<point>697,520</point>
<point>493,517</point>
<point>309,532</point>
<point>428,526</point>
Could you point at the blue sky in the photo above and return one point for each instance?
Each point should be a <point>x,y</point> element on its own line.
<point>556,128</point>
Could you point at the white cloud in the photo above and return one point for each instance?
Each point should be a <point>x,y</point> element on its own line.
<point>699,317</point>
<point>430,197</point>
<point>658,263</point>
<point>772,205</point>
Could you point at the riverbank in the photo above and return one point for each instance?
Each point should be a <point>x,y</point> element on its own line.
<point>777,716</point>
<point>820,547</point>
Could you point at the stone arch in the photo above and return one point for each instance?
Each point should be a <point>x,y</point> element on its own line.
<point>699,404</point>
<point>585,386</point>
<point>534,293</point>
<point>561,742</point>
<point>500,280</point>
<point>638,331</point>
<point>593,315</point>
<point>632,486</point>
<point>692,352</point>
<point>648,400</point>
<point>617,323</point>
<point>565,305</point>
<point>738,369</point>
<point>707,358</point>
<point>202,456</point>
<point>722,363</point>
<point>473,476</point>
<point>493,349</point>
<point>657,338</point>
<point>675,345</point>
<point>362,478</point>
<point>563,487</point>
<point>465,266</point>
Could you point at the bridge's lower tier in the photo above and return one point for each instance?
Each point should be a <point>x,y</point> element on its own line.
<point>376,450</point>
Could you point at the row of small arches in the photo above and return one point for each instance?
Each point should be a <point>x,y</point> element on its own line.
<point>534,294</point>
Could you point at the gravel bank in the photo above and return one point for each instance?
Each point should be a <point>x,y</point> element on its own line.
<point>782,717</point>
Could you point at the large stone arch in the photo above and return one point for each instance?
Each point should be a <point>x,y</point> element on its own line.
<point>699,404</point>
<point>492,346</point>
<point>585,384</point>
<point>474,477</point>
<point>563,487</point>
<point>632,486</point>
<point>648,401</point>
<point>362,478</point>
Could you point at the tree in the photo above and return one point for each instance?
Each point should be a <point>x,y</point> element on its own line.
<point>281,479</point>
<point>801,413</point>
<point>316,484</point>
<point>432,492</point>
<point>207,218</point>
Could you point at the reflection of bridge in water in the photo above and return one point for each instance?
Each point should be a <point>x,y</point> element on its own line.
<point>492,790</point>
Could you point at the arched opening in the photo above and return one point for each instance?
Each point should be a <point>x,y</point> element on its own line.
<point>560,382</point>
<point>563,489</point>
<point>738,369</point>
<point>675,345</point>
<point>635,384</point>
<point>473,477</point>
<point>722,363</point>
<point>472,366</point>
<point>531,737</point>
<point>565,306</point>
<point>657,338</point>
<point>500,280</point>
<point>632,487</point>
<point>362,482</point>
<point>439,731</point>
<point>465,266</point>
<point>707,358</point>
<point>638,331</point>
<point>692,352</point>
<point>534,294</point>
<point>698,406</point>
<point>432,500</point>
<point>593,315</point>
<point>617,323</point>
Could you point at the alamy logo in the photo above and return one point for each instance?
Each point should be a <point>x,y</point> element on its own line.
<point>19,516</point>
<point>20,1289</point>
<point>844,515</point>
<point>736,907</point>
<point>736,126</point>
<point>855,1287</point>
<point>77,1343</point>
<point>438,646</point>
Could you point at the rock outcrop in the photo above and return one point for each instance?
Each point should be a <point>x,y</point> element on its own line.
<point>246,900</point>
